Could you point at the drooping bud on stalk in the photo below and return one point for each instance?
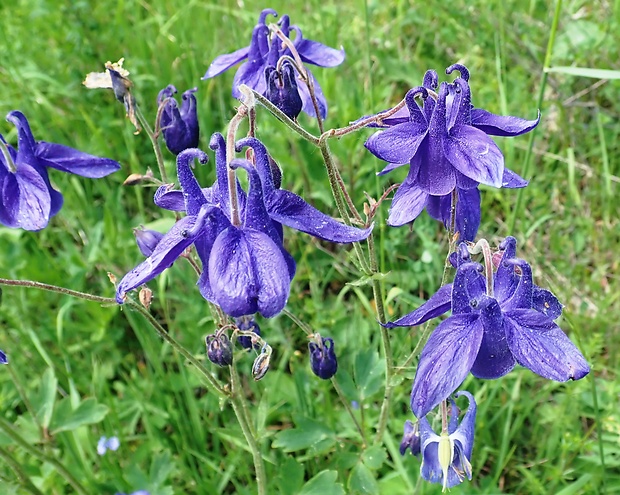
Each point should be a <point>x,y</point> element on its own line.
<point>261,363</point>
<point>219,349</point>
<point>282,89</point>
<point>323,358</point>
<point>248,324</point>
<point>147,240</point>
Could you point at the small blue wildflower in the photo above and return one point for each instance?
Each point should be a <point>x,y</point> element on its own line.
<point>104,444</point>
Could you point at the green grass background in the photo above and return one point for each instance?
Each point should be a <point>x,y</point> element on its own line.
<point>532,436</point>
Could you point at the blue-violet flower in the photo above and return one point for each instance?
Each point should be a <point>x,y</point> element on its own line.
<point>264,52</point>
<point>104,444</point>
<point>323,360</point>
<point>179,126</point>
<point>27,198</point>
<point>492,327</point>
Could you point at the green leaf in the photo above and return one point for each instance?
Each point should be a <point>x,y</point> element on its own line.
<point>291,477</point>
<point>45,398</point>
<point>374,457</point>
<point>586,72</point>
<point>161,467</point>
<point>323,483</point>
<point>368,373</point>
<point>362,480</point>
<point>306,434</point>
<point>366,280</point>
<point>87,413</point>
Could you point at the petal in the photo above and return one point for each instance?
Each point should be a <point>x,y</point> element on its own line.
<point>545,302</point>
<point>494,357</point>
<point>248,273</point>
<point>498,125</point>
<point>540,345</point>
<point>437,176</point>
<point>170,247</point>
<point>437,305</point>
<point>389,167</point>
<point>475,155</point>
<point>313,52</point>
<point>512,180</point>
<point>168,199</point>
<point>469,285</point>
<point>445,361</point>
<point>505,280</point>
<point>70,160</point>
<point>3,358</point>
<point>308,106</point>
<point>291,210</point>
<point>25,200</point>
<point>407,204</point>
<point>224,62</point>
<point>467,213</point>
<point>397,144</point>
<point>194,197</point>
<point>521,297</point>
<point>465,431</point>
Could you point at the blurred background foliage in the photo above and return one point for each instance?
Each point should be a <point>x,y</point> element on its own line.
<point>79,370</point>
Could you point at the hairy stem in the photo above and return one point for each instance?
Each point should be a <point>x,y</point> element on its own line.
<point>23,478</point>
<point>10,431</point>
<point>155,142</point>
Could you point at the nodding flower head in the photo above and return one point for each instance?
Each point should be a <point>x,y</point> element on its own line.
<point>219,349</point>
<point>282,89</point>
<point>323,358</point>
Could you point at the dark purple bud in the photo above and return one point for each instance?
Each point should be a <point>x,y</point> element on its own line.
<point>248,324</point>
<point>323,358</point>
<point>411,439</point>
<point>147,240</point>
<point>219,349</point>
<point>282,90</point>
<point>3,358</point>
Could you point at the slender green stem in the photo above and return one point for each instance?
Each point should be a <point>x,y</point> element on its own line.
<point>234,378</point>
<point>60,290</point>
<point>25,400</point>
<point>337,192</point>
<point>23,478</point>
<point>10,432</point>
<point>211,382</point>
<point>155,142</point>
<point>516,212</point>
<point>282,117</point>
<point>240,409</point>
<point>349,409</point>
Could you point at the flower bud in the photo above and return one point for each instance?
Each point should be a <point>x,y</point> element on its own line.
<point>219,349</point>
<point>179,126</point>
<point>248,324</point>
<point>261,363</point>
<point>323,358</point>
<point>282,90</point>
<point>3,358</point>
<point>147,240</point>
<point>411,439</point>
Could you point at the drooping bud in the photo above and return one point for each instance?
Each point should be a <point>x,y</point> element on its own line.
<point>323,358</point>
<point>3,358</point>
<point>219,349</point>
<point>147,240</point>
<point>248,324</point>
<point>282,89</point>
<point>261,363</point>
<point>411,438</point>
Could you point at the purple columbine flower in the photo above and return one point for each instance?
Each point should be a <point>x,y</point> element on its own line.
<point>246,269</point>
<point>265,51</point>
<point>27,198</point>
<point>446,457</point>
<point>323,360</point>
<point>445,142</point>
<point>104,444</point>
<point>282,90</point>
<point>3,358</point>
<point>179,126</point>
<point>490,330</point>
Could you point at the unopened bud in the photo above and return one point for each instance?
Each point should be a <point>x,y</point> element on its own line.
<point>219,349</point>
<point>261,363</point>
